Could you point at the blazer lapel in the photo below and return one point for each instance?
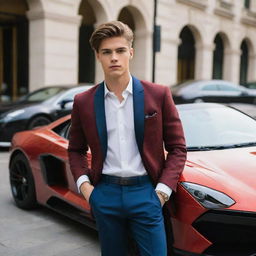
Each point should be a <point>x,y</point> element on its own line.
<point>99,109</point>
<point>138,109</point>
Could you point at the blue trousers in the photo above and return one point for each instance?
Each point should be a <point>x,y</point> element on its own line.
<point>119,209</point>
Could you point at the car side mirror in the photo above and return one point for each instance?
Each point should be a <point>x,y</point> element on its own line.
<point>65,102</point>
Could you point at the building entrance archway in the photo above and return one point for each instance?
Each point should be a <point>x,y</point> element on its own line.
<point>13,49</point>
<point>86,70</point>
<point>131,16</point>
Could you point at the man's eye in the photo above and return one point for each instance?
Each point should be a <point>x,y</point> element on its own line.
<point>106,52</point>
<point>121,50</point>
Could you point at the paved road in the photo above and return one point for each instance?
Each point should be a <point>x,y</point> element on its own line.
<point>40,232</point>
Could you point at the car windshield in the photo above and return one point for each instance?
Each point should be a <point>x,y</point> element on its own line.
<point>42,94</point>
<point>72,93</point>
<point>216,128</point>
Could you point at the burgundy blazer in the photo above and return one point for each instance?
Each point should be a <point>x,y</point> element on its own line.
<point>157,127</point>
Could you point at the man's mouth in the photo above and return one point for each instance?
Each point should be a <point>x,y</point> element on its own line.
<point>114,66</point>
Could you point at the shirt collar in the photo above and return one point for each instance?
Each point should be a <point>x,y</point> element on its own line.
<point>128,88</point>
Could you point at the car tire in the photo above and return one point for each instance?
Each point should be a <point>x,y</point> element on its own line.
<point>22,182</point>
<point>38,121</point>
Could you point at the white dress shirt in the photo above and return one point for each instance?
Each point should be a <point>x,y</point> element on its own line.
<point>123,158</point>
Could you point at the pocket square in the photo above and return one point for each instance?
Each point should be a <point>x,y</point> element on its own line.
<point>150,115</point>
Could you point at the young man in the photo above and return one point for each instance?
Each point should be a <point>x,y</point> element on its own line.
<point>125,122</point>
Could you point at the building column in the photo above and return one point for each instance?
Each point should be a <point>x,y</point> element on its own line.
<point>167,62</point>
<point>232,65</point>
<point>204,61</point>
<point>53,48</point>
<point>141,64</point>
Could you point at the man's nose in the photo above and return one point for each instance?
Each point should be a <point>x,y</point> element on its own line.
<point>114,56</point>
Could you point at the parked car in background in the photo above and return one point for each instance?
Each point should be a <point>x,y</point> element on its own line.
<point>212,91</point>
<point>37,108</point>
<point>214,208</point>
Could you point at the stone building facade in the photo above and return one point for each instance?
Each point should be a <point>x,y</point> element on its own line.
<point>45,42</point>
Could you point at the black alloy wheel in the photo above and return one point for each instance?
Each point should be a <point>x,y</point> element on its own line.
<point>22,183</point>
<point>38,121</point>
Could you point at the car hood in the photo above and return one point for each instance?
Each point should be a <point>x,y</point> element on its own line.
<point>232,171</point>
<point>4,108</point>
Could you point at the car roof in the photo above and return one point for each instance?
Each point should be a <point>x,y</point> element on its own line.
<point>66,85</point>
<point>204,82</point>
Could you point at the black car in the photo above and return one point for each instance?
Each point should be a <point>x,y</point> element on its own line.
<point>212,91</point>
<point>37,108</point>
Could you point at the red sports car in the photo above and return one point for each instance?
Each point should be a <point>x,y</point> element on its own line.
<point>215,204</point>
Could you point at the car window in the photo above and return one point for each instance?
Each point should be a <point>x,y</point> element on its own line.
<point>63,129</point>
<point>251,85</point>
<point>71,94</point>
<point>66,133</point>
<point>210,127</point>
<point>43,94</point>
<point>227,87</point>
<point>210,87</point>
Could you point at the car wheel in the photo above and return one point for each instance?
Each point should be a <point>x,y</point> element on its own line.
<point>22,183</point>
<point>38,121</point>
<point>198,100</point>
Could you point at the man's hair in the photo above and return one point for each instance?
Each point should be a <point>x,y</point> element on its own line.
<point>108,30</point>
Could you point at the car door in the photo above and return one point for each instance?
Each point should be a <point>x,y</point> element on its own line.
<point>210,93</point>
<point>231,93</point>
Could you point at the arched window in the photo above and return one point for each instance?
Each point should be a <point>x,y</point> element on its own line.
<point>244,62</point>
<point>247,4</point>
<point>186,55</point>
<point>217,72</point>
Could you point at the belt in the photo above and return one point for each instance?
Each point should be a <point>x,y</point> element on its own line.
<point>125,181</point>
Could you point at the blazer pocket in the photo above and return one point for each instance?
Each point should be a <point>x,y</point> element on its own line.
<point>151,115</point>
<point>151,124</point>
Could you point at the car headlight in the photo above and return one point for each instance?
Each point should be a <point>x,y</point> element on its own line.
<point>207,197</point>
<point>11,115</point>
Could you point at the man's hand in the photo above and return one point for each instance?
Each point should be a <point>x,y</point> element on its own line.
<point>86,189</point>
<point>161,198</point>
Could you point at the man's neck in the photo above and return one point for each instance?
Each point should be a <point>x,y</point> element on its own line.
<point>117,84</point>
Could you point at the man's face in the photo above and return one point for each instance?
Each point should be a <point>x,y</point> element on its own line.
<point>114,55</point>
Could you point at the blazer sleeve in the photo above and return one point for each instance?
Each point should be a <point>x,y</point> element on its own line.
<point>78,147</point>
<point>174,143</point>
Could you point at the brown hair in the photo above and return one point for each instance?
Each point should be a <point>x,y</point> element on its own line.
<point>108,30</point>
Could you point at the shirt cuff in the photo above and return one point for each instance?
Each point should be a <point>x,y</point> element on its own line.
<point>81,180</point>
<point>164,188</point>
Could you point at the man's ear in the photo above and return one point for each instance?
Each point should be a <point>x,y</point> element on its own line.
<point>131,53</point>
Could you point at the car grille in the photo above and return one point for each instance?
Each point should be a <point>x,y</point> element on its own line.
<point>231,232</point>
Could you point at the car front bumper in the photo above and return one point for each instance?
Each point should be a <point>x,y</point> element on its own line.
<point>232,233</point>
